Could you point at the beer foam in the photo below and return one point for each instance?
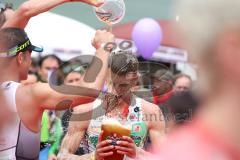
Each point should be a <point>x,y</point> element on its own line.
<point>111,121</point>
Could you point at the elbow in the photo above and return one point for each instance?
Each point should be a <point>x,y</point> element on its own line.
<point>82,100</point>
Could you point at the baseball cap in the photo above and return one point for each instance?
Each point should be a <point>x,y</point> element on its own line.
<point>23,44</point>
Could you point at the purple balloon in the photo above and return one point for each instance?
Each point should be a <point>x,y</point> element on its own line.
<point>147,36</point>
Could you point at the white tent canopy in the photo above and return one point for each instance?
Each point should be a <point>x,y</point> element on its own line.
<point>60,35</point>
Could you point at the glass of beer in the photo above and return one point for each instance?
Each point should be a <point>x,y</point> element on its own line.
<point>110,12</point>
<point>113,130</point>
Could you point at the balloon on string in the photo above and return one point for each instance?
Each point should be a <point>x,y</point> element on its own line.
<point>147,35</point>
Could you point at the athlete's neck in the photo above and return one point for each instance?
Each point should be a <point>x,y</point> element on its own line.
<point>125,100</point>
<point>9,76</point>
<point>221,113</point>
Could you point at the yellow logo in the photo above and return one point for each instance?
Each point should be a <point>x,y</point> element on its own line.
<point>23,46</point>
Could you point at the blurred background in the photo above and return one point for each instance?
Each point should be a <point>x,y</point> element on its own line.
<point>77,24</point>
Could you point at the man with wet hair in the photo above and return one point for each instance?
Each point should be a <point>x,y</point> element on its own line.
<point>144,117</point>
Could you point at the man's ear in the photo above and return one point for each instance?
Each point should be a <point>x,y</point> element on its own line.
<point>20,58</point>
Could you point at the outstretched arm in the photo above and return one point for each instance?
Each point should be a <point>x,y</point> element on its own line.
<point>69,96</point>
<point>32,8</point>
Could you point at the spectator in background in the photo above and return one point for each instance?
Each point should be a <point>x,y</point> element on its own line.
<point>182,107</point>
<point>49,148</point>
<point>182,104</point>
<point>73,78</point>
<point>162,81</point>
<point>54,128</point>
<point>182,82</point>
<point>51,134</point>
<point>51,124</point>
<point>34,66</point>
<point>46,65</point>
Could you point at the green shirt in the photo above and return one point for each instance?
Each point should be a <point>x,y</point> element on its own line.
<point>52,136</point>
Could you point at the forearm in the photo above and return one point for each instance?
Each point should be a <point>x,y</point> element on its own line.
<point>60,97</point>
<point>70,145</point>
<point>35,7</point>
<point>29,9</point>
<point>72,139</point>
<point>101,61</point>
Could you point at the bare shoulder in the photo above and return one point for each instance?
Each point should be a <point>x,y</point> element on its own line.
<point>34,89</point>
<point>150,108</point>
<point>153,116</point>
<point>26,91</point>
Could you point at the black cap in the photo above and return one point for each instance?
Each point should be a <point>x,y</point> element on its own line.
<point>21,43</point>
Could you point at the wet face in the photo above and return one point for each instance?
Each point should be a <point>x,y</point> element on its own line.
<point>73,78</point>
<point>182,84</point>
<point>48,64</point>
<point>122,84</point>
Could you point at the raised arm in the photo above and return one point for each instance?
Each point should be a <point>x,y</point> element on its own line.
<point>101,37</point>
<point>34,7</point>
<point>41,96</point>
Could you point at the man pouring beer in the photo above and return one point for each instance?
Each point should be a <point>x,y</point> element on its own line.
<point>114,127</point>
